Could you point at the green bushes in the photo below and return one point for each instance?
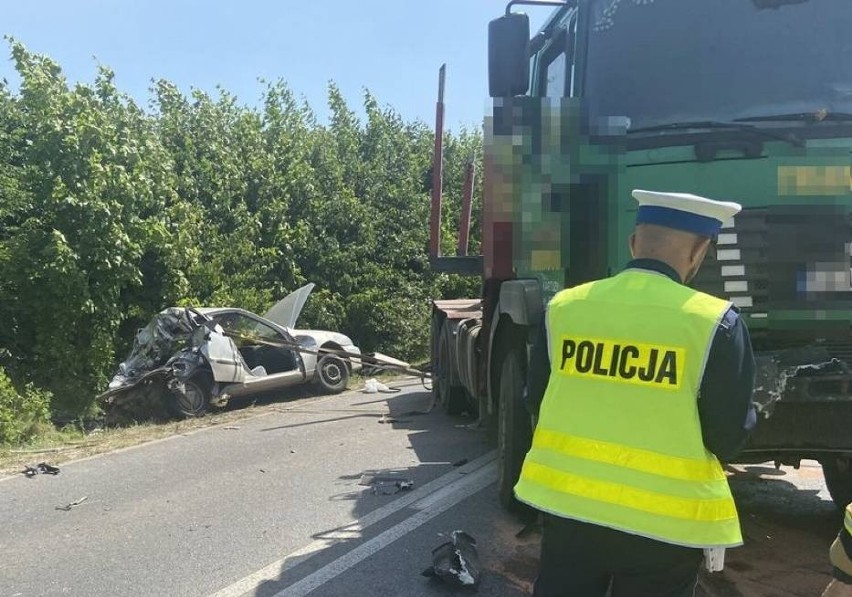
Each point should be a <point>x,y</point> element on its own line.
<point>22,415</point>
<point>109,213</point>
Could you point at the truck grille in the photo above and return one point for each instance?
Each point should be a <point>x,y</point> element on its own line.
<point>783,258</point>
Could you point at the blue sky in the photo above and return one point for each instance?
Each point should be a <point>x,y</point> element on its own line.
<point>394,49</point>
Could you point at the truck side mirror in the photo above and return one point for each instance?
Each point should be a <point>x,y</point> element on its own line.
<point>509,55</point>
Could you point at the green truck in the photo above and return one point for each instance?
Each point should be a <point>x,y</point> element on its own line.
<point>741,100</point>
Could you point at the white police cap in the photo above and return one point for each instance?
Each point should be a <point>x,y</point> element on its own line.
<point>683,211</point>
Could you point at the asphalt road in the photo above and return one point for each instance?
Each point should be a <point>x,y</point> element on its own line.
<point>196,513</point>
<point>789,522</point>
<point>277,508</point>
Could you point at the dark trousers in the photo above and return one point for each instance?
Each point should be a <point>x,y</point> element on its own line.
<point>583,560</point>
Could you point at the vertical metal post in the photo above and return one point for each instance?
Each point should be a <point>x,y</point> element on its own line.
<point>464,223</point>
<point>437,169</point>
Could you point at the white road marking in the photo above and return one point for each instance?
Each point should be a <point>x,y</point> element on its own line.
<point>462,489</point>
<point>429,501</point>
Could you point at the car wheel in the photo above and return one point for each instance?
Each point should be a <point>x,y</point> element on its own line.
<point>195,399</point>
<point>332,374</point>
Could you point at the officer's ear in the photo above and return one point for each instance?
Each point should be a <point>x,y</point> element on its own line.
<point>699,250</point>
<point>632,241</point>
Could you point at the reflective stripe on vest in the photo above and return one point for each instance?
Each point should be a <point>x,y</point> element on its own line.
<point>618,441</point>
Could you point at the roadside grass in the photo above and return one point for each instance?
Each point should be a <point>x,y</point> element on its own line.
<point>56,446</point>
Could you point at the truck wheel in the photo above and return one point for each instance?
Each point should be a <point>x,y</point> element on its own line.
<point>838,479</point>
<point>195,399</point>
<point>514,431</point>
<point>450,396</point>
<point>332,373</point>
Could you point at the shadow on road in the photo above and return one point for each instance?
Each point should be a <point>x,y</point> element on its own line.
<point>788,524</point>
<point>320,422</point>
<point>788,521</point>
<point>436,444</point>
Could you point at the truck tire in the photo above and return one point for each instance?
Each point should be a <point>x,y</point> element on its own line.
<point>450,395</point>
<point>838,479</point>
<point>514,433</point>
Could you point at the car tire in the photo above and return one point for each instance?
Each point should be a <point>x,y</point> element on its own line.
<point>195,399</point>
<point>332,374</point>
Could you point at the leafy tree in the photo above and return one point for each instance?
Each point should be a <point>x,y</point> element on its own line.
<point>110,212</point>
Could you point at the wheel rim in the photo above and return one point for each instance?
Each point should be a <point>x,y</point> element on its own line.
<point>332,373</point>
<point>192,398</point>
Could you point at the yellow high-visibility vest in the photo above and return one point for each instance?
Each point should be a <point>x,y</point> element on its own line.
<point>847,519</point>
<point>618,442</point>
<point>840,558</point>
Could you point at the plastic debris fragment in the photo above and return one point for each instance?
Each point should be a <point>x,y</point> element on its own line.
<point>456,562</point>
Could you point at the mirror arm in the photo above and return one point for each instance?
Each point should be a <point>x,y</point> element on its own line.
<point>537,2</point>
<point>537,43</point>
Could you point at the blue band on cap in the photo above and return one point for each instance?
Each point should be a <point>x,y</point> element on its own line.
<point>681,220</point>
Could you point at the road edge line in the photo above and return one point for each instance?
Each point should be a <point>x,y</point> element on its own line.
<point>275,410</point>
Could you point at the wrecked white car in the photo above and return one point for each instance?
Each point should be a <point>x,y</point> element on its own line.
<point>187,359</point>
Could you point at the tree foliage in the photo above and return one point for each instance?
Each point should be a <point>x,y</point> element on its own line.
<point>24,414</point>
<point>110,212</point>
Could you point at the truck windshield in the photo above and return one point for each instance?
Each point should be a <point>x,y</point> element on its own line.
<point>665,61</point>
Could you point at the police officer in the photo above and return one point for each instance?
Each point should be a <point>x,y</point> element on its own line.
<point>640,386</point>
<point>841,560</point>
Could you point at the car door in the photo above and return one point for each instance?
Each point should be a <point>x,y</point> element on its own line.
<point>269,365</point>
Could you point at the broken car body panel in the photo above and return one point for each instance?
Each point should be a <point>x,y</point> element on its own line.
<point>286,311</point>
<point>155,344</point>
<point>225,361</point>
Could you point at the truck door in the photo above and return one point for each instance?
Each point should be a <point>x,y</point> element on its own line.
<point>578,189</point>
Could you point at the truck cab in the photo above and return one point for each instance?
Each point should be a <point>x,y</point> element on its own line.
<point>741,100</point>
